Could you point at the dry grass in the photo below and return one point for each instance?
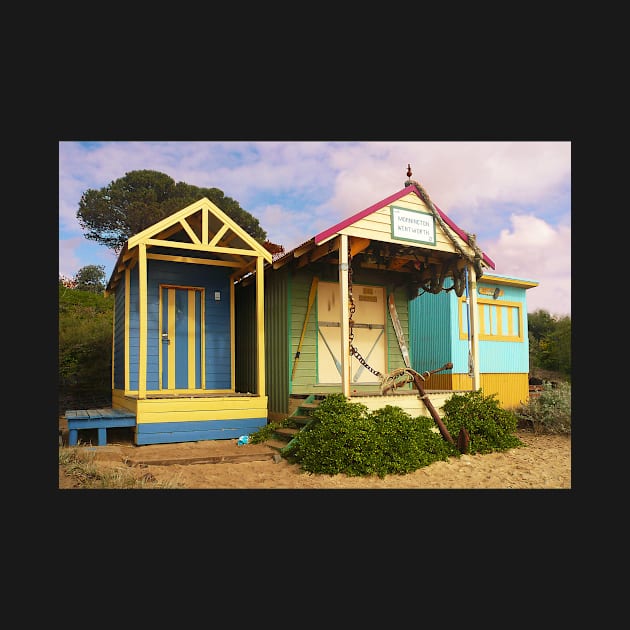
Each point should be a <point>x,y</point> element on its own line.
<point>79,466</point>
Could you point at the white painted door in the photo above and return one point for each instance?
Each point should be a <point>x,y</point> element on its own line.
<point>369,333</point>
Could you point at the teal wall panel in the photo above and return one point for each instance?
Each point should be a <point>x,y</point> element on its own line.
<point>431,330</point>
<point>434,331</point>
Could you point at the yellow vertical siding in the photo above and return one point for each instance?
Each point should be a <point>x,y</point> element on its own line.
<point>445,381</point>
<point>511,389</point>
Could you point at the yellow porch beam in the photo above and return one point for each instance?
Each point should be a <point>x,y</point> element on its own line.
<point>203,248</point>
<point>232,335</point>
<point>195,261</point>
<point>127,316</point>
<point>142,313</point>
<point>260,323</point>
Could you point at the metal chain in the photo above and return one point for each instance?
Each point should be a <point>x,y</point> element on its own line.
<point>353,351</point>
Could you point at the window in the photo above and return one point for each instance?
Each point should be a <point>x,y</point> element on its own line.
<point>496,321</point>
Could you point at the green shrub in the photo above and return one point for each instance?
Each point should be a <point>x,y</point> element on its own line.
<point>409,443</point>
<point>490,427</point>
<point>267,432</point>
<point>345,437</point>
<point>551,410</point>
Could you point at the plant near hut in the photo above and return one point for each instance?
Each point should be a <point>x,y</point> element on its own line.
<point>267,432</point>
<point>550,411</point>
<point>490,427</point>
<point>345,437</point>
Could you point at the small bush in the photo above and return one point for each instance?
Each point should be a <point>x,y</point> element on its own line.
<point>345,437</point>
<point>549,412</point>
<point>267,432</point>
<point>490,427</point>
<point>409,443</point>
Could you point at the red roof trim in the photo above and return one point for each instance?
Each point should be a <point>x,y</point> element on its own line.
<point>360,215</point>
<point>373,208</point>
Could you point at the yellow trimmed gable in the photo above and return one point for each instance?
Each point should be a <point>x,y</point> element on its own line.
<point>203,233</point>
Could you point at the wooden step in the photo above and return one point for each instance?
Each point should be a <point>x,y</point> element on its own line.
<point>311,405</point>
<point>276,445</point>
<point>300,419</point>
<point>286,433</point>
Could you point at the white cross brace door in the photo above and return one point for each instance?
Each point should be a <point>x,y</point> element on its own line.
<point>369,333</point>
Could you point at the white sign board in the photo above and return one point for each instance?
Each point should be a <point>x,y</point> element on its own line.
<point>409,225</point>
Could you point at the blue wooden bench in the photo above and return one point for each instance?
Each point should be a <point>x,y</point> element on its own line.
<point>101,419</point>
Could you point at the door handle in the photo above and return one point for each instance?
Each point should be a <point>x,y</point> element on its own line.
<point>165,338</point>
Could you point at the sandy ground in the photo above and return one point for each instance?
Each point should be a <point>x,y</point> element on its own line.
<point>543,463</point>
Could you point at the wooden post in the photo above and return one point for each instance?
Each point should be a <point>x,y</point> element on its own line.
<point>142,314</point>
<point>127,331</point>
<point>232,334</point>
<point>345,310</point>
<point>260,322</point>
<point>474,326</point>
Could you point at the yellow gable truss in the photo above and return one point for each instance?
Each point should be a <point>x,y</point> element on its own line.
<point>201,233</point>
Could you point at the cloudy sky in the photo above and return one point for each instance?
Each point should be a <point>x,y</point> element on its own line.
<point>515,196</point>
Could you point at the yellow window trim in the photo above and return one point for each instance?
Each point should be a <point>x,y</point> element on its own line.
<point>495,305</point>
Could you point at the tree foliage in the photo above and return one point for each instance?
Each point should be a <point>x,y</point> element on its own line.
<point>549,342</point>
<point>128,205</point>
<point>85,349</point>
<point>90,278</point>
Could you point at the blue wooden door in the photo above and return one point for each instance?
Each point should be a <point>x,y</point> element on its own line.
<point>181,315</point>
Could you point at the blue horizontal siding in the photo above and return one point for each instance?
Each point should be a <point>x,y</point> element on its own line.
<point>218,349</point>
<point>168,432</point>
